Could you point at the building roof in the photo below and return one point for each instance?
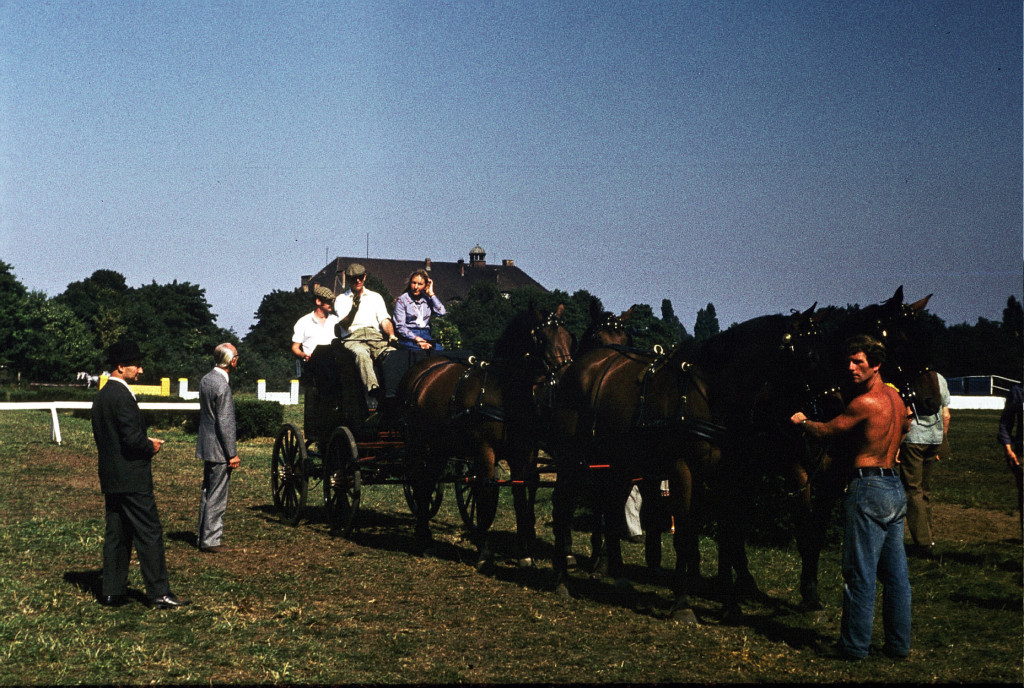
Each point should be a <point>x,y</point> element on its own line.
<point>452,280</point>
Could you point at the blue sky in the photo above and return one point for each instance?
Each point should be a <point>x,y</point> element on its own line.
<point>757,155</point>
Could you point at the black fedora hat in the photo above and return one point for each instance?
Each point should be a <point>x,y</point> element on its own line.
<point>125,351</point>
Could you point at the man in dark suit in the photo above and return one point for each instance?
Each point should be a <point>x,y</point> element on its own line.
<point>216,447</point>
<point>126,478</point>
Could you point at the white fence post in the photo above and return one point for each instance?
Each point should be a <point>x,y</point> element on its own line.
<point>294,389</point>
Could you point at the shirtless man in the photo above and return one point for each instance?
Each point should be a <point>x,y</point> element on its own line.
<point>871,429</point>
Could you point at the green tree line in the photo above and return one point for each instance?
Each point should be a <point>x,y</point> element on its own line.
<point>45,339</point>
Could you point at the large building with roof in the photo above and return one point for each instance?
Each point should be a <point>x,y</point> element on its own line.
<point>452,281</point>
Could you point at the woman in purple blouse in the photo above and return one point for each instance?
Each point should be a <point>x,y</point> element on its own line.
<point>413,310</point>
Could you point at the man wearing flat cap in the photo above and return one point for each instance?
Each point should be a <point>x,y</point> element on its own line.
<point>126,479</point>
<point>316,328</point>
<point>365,329</point>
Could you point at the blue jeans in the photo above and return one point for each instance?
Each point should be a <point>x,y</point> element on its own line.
<point>423,332</point>
<point>873,549</point>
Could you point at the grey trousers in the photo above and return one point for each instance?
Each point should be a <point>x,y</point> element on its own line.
<point>213,502</point>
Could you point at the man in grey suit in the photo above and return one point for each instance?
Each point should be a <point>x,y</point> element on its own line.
<point>216,447</point>
<point>126,479</point>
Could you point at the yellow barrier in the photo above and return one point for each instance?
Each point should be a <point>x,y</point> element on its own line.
<point>161,390</point>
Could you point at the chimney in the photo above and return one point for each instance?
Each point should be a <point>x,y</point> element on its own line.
<point>305,282</point>
<point>508,262</point>
<point>426,264</point>
<point>462,267</point>
<point>477,257</point>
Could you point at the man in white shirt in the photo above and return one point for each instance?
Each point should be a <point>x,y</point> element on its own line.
<point>366,328</point>
<point>316,328</point>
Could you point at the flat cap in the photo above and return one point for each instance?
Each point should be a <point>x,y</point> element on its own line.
<point>323,293</point>
<point>354,270</point>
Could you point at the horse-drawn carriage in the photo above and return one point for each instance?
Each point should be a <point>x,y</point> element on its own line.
<point>444,418</point>
<point>344,446</point>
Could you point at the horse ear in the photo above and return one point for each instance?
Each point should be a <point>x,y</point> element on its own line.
<point>595,309</point>
<point>920,305</point>
<point>807,313</point>
<point>897,297</point>
<point>626,315</point>
<point>560,310</point>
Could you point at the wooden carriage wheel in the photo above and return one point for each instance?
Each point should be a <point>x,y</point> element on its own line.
<point>288,480</point>
<point>342,481</point>
<point>436,496</point>
<point>467,494</point>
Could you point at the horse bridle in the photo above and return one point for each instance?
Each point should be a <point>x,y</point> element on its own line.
<point>551,369</point>
<point>903,379</point>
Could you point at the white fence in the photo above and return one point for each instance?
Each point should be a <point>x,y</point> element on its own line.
<point>54,406</point>
<point>980,385</point>
<point>289,398</point>
<point>960,401</point>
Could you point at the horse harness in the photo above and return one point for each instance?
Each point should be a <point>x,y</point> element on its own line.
<point>551,374</point>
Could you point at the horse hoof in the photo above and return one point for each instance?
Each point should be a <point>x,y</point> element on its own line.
<point>526,563</point>
<point>562,590</point>
<point>570,562</point>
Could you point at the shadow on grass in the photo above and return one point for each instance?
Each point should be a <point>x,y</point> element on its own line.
<point>999,603</point>
<point>92,582</point>
<point>186,536</point>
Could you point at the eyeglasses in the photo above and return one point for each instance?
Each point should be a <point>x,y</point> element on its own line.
<point>358,278</point>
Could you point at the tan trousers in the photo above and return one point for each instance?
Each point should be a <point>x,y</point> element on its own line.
<point>367,344</point>
<point>916,463</point>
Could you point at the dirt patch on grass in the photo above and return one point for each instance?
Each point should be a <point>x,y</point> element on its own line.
<point>962,524</point>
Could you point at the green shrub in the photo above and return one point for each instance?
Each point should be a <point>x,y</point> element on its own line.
<point>258,418</point>
<point>22,393</point>
<point>252,419</point>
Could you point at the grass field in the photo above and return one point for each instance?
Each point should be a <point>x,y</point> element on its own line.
<point>296,605</point>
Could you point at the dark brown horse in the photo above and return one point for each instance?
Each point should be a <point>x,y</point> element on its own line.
<point>483,412</point>
<point>756,408</point>
<point>818,481</point>
<point>605,329</point>
<point>622,415</point>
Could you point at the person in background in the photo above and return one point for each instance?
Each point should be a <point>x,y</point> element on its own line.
<point>918,456</point>
<point>126,479</point>
<point>870,430</point>
<point>314,329</point>
<point>413,311</point>
<point>216,446</point>
<point>1011,431</point>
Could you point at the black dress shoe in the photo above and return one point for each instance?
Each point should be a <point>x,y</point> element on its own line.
<point>113,600</point>
<point>168,601</point>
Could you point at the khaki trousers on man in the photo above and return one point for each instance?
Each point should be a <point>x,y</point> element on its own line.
<point>916,463</point>
<point>367,344</point>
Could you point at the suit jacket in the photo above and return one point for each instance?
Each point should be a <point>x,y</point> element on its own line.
<point>217,436</point>
<point>125,451</point>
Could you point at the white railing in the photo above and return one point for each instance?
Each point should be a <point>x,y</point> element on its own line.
<point>289,398</point>
<point>54,406</point>
<point>980,385</point>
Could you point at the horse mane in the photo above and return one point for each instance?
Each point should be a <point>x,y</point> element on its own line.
<point>514,341</point>
<point>745,336</point>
